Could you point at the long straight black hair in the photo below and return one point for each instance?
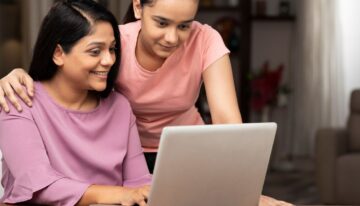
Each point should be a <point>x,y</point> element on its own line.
<point>65,24</point>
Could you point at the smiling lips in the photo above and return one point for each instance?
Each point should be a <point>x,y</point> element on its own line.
<point>100,74</point>
<point>168,47</point>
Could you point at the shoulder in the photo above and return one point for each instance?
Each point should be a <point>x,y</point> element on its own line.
<point>129,30</point>
<point>203,34</point>
<point>117,100</point>
<point>117,107</point>
<point>202,27</point>
<point>202,30</point>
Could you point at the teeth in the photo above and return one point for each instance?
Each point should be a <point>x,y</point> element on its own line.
<point>100,73</point>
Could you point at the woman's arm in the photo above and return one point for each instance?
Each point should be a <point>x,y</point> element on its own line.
<point>15,81</point>
<point>220,92</point>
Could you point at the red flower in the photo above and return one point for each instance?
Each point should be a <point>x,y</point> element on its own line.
<point>265,87</point>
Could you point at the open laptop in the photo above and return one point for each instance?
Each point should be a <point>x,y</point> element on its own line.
<point>212,165</point>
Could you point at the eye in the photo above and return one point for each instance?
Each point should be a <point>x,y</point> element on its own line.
<point>95,52</point>
<point>162,23</point>
<point>184,26</point>
<point>112,49</point>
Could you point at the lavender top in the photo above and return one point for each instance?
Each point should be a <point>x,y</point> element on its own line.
<point>51,155</point>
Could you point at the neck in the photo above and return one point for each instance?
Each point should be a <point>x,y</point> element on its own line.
<point>69,96</point>
<point>146,58</point>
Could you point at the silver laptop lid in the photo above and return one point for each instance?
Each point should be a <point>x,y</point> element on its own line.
<point>212,165</point>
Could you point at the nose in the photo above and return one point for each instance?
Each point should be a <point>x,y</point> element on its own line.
<point>172,36</point>
<point>108,59</point>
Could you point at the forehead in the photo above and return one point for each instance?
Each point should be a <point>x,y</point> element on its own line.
<point>100,31</point>
<point>177,10</point>
<point>102,28</point>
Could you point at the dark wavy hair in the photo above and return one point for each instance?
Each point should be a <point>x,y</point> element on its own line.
<point>65,24</point>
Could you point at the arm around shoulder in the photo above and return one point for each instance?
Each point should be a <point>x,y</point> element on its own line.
<point>13,83</point>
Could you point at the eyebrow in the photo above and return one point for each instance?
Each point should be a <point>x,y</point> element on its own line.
<point>100,43</point>
<point>165,19</point>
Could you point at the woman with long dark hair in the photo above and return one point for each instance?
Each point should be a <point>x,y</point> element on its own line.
<point>78,143</point>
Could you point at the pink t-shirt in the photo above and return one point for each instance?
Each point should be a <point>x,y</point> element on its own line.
<point>167,96</point>
<point>52,154</point>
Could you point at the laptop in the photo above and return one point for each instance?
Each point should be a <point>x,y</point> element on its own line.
<point>212,165</point>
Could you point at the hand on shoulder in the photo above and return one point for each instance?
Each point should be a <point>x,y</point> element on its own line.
<point>12,85</point>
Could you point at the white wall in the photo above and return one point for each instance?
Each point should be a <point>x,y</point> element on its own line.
<point>349,17</point>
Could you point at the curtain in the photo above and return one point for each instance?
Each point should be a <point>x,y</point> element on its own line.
<point>349,10</point>
<point>318,98</point>
<point>10,46</point>
<point>32,14</point>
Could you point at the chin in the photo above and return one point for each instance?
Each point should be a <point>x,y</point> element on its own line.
<point>164,55</point>
<point>99,88</point>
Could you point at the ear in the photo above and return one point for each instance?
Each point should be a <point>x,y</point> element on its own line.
<point>58,56</point>
<point>137,9</point>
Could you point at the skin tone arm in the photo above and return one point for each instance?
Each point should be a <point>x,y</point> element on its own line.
<point>13,83</point>
<point>220,92</point>
<point>115,195</point>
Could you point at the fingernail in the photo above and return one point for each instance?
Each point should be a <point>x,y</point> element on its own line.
<point>29,104</point>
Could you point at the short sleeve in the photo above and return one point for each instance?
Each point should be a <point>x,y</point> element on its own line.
<point>213,46</point>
